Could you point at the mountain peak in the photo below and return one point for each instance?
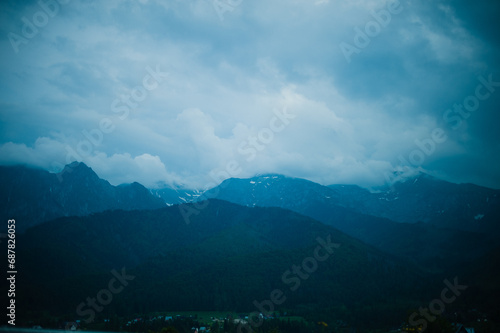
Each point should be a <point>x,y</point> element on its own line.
<point>78,169</point>
<point>76,166</point>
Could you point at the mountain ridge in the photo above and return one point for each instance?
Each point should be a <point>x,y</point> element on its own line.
<point>422,198</point>
<point>446,245</point>
<point>32,196</point>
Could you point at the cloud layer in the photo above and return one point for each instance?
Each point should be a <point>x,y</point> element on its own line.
<point>175,92</point>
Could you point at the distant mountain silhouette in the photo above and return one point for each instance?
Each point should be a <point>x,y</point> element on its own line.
<point>32,196</point>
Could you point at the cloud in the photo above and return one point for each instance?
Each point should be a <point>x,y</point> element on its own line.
<point>50,154</point>
<point>122,168</point>
<point>44,154</point>
<point>226,79</point>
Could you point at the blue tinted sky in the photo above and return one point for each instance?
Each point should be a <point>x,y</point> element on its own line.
<point>190,92</point>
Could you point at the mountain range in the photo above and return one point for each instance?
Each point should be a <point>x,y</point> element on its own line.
<point>32,196</point>
<point>420,198</point>
<point>436,244</point>
<point>228,248</point>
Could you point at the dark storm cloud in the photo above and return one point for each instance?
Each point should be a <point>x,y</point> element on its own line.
<point>224,81</point>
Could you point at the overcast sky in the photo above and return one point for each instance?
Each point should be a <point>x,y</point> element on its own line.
<point>187,92</point>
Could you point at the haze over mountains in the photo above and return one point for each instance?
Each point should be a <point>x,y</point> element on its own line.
<point>395,247</point>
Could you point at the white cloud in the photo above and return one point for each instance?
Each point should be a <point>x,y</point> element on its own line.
<point>50,154</point>
<point>46,153</point>
<point>146,169</point>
